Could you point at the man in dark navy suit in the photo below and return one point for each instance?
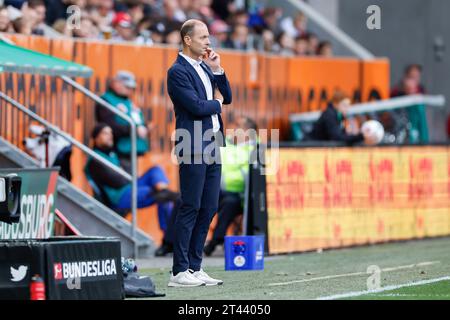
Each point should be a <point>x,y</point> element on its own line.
<point>198,88</point>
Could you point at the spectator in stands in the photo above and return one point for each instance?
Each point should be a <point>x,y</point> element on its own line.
<point>235,164</point>
<point>157,31</point>
<point>268,41</point>
<point>173,38</point>
<point>223,8</point>
<point>62,27</point>
<point>148,22</point>
<point>240,17</point>
<point>40,27</point>
<point>301,45</point>
<point>5,22</point>
<point>416,115</point>
<point>119,95</point>
<point>173,12</point>
<point>295,27</point>
<point>313,44</point>
<point>413,71</point>
<point>201,10</point>
<point>271,16</point>
<point>330,126</point>
<point>26,21</point>
<point>448,128</point>
<point>19,18</point>
<point>57,9</point>
<point>102,14</point>
<point>145,34</point>
<point>325,49</point>
<point>418,127</point>
<point>14,3</point>
<point>285,44</point>
<point>135,8</point>
<point>123,27</point>
<point>219,33</point>
<point>238,38</point>
<point>87,29</point>
<point>152,185</point>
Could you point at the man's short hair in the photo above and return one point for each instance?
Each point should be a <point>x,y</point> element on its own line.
<point>35,3</point>
<point>412,66</point>
<point>97,129</point>
<point>249,123</point>
<point>338,96</point>
<point>187,29</point>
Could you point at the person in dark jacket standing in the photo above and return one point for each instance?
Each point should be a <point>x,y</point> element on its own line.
<point>330,126</point>
<point>198,87</point>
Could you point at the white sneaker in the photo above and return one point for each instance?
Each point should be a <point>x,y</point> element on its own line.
<point>203,276</point>
<point>185,279</point>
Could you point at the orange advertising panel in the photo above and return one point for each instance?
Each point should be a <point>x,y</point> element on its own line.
<point>375,80</point>
<point>336,197</point>
<point>318,78</point>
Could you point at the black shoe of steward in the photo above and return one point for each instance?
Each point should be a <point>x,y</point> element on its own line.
<point>165,195</point>
<point>163,250</point>
<point>210,247</point>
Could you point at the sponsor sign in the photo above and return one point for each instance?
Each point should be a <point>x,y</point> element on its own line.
<point>336,197</point>
<point>38,199</point>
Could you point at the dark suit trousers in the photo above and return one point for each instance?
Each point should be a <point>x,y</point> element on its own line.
<point>200,188</point>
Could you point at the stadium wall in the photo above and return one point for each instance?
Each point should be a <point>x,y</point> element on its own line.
<point>266,88</point>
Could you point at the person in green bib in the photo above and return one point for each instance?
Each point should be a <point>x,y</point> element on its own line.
<point>119,95</point>
<point>235,158</point>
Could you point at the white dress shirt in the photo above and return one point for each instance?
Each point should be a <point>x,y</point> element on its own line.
<point>208,87</point>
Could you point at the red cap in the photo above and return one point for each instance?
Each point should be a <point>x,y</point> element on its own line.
<point>122,19</point>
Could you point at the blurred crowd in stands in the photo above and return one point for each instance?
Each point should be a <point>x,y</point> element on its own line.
<point>150,22</point>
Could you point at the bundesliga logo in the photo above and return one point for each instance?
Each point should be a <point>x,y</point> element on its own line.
<point>84,269</point>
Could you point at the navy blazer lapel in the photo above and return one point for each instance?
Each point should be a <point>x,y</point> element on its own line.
<point>191,69</point>
<point>208,72</point>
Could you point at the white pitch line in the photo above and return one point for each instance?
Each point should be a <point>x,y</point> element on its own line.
<point>420,264</point>
<point>387,288</point>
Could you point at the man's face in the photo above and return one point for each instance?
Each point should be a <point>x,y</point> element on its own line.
<point>85,30</point>
<point>125,32</point>
<point>221,36</point>
<point>240,34</point>
<point>410,85</point>
<point>4,20</point>
<point>344,106</point>
<point>198,42</point>
<point>300,22</point>
<point>106,4</point>
<point>415,74</point>
<point>301,47</point>
<point>121,89</point>
<point>79,3</point>
<point>40,13</point>
<point>173,38</point>
<point>313,44</point>
<point>105,138</point>
<point>241,19</point>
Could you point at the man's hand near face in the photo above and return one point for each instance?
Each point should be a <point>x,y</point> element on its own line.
<point>213,60</point>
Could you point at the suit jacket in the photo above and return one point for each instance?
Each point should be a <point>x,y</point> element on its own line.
<point>188,95</point>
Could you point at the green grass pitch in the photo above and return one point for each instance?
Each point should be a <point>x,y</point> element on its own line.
<point>331,274</point>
